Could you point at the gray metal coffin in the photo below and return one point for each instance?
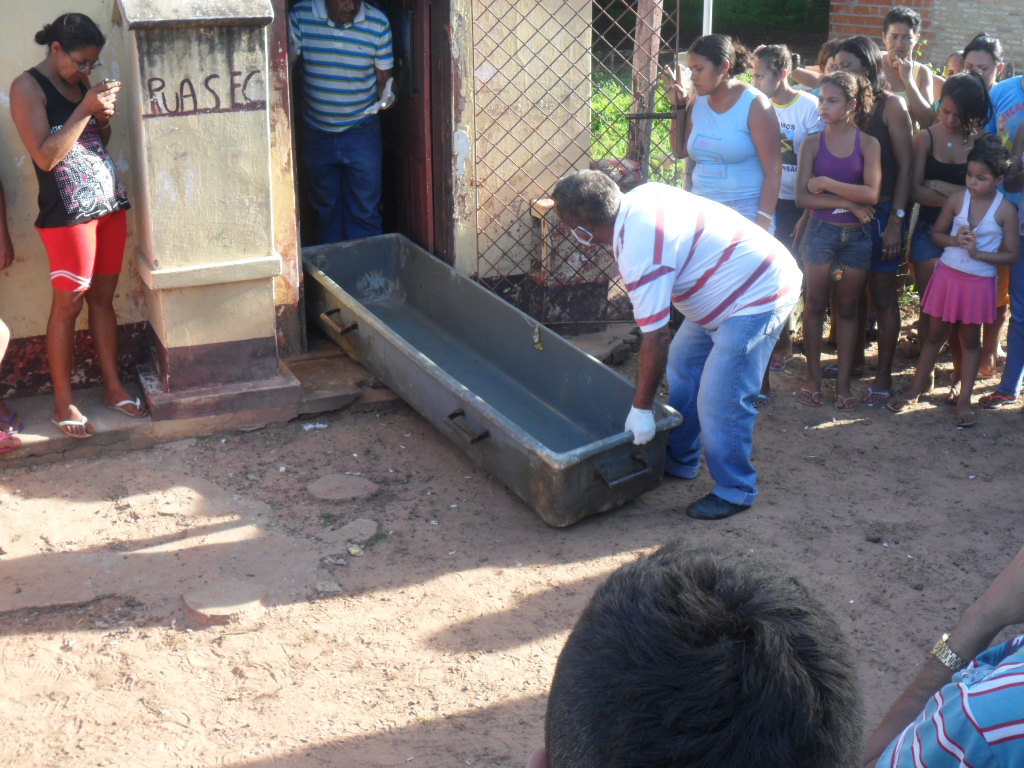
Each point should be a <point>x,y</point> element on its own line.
<point>522,402</point>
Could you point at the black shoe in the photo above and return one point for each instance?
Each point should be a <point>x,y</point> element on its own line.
<point>996,400</point>
<point>713,507</point>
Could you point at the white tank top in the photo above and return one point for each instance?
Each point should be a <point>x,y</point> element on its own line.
<point>989,237</point>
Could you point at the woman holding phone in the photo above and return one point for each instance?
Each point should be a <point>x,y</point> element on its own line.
<point>64,122</point>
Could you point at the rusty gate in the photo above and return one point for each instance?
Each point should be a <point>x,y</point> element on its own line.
<point>562,86</point>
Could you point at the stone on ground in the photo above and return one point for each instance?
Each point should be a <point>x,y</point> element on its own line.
<point>223,602</point>
<point>359,531</point>
<point>342,487</point>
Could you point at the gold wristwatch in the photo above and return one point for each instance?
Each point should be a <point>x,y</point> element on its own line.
<point>949,658</point>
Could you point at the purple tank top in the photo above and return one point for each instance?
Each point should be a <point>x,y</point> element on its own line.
<point>849,170</point>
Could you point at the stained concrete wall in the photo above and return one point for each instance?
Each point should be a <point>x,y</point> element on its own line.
<point>528,68</point>
<point>25,287</point>
<point>287,285</point>
<point>463,160</point>
<point>204,97</point>
<point>204,217</point>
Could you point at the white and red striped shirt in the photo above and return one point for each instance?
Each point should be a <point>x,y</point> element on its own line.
<point>673,247</point>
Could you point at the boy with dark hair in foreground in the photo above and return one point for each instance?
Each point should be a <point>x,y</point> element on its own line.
<point>696,659</point>
<point>701,660</point>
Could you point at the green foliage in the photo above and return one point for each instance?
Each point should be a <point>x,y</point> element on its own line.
<point>609,126</point>
<point>793,15</point>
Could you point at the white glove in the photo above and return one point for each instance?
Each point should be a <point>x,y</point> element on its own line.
<point>386,99</point>
<point>641,424</point>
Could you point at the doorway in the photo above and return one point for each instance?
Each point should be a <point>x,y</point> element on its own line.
<point>416,191</point>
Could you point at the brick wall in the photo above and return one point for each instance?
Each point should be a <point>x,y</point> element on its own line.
<point>864,17</point>
<point>947,24</point>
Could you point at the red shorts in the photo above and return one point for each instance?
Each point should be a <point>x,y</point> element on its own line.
<point>82,250</point>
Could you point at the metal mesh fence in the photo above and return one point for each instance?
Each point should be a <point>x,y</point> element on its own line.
<point>562,86</point>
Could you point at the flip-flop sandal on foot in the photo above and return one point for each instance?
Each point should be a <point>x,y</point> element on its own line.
<point>780,366</point>
<point>968,419</point>
<point>9,421</point>
<point>845,403</point>
<point>899,403</point>
<point>875,397</point>
<point>9,442</point>
<point>832,372</point>
<point>953,395</point>
<point>124,405</point>
<point>65,423</point>
<point>812,399</point>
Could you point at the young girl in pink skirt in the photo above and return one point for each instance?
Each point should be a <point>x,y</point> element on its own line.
<point>982,228</point>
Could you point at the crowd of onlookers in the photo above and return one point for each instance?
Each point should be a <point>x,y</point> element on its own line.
<point>859,164</point>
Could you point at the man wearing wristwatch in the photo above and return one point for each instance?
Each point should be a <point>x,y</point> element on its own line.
<point>961,712</point>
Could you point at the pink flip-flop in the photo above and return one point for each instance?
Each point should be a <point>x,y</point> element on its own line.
<point>9,442</point>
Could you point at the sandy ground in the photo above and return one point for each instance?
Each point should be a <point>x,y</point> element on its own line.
<point>433,644</point>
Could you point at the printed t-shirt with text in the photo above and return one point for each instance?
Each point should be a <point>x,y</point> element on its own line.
<point>797,120</point>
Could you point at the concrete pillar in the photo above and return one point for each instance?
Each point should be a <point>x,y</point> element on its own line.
<point>195,93</point>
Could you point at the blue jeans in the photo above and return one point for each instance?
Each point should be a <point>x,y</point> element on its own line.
<point>1014,369</point>
<point>882,212</point>
<point>342,174</point>
<point>713,378</point>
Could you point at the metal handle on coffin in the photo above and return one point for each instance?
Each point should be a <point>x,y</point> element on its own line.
<point>325,318</point>
<point>616,482</point>
<point>465,429</point>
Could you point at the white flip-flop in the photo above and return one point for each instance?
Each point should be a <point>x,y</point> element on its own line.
<point>72,423</point>
<point>122,407</point>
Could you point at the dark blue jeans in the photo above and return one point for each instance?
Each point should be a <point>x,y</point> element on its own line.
<point>342,174</point>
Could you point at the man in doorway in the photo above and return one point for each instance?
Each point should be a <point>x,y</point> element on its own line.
<point>345,47</point>
<point>734,283</point>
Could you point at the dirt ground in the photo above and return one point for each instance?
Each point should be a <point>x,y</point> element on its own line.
<point>433,642</point>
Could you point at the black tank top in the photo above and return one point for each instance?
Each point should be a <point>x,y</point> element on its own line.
<point>953,173</point>
<point>84,185</point>
<point>878,129</point>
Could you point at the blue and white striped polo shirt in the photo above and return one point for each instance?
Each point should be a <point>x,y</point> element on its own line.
<point>340,63</point>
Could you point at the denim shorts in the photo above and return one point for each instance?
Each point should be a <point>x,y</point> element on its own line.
<point>882,211</point>
<point>921,246</point>
<point>824,243</point>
